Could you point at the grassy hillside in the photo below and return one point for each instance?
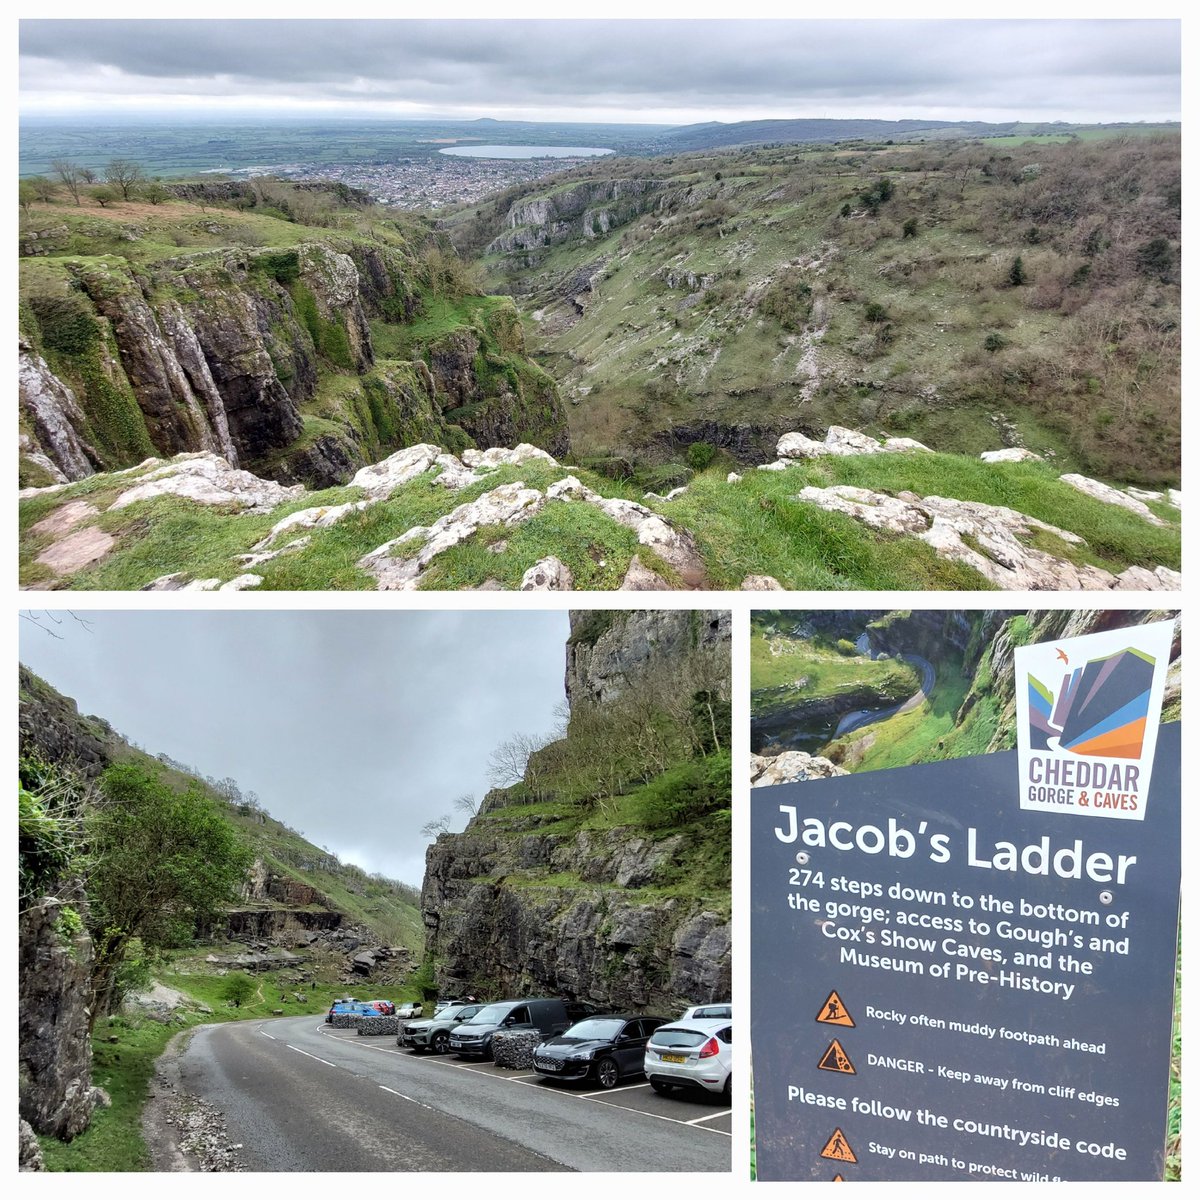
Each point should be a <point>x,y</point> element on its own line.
<point>879,288</point>
<point>753,526</point>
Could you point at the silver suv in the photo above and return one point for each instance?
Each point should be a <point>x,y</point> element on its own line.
<point>434,1033</point>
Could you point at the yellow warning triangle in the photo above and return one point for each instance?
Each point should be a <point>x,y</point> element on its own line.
<point>833,1012</point>
<point>839,1178</point>
<point>836,1059</point>
<point>838,1148</point>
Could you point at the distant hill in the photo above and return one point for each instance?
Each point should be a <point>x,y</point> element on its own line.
<point>291,873</point>
<point>807,130</point>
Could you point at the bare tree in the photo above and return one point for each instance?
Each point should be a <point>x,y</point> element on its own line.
<point>431,829</point>
<point>123,173</point>
<point>467,803</point>
<point>69,175</point>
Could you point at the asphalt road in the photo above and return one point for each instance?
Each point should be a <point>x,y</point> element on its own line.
<point>856,720</point>
<point>300,1096</point>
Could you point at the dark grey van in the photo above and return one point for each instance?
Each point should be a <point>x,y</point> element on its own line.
<point>473,1038</point>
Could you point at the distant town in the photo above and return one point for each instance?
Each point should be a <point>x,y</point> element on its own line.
<point>421,183</point>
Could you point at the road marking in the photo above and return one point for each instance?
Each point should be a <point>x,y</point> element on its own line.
<point>266,1034</point>
<point>523,1081</point>
<point>710,1117</point>
<point>408,1098</point>
<point>307,1055</point>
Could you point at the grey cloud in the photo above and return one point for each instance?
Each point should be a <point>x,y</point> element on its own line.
<point>638,66</point>
<point>354,727</point>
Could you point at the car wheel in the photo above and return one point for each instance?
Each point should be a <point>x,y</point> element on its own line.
<point>441,1043</point>
<point>663,1089</point>
<point>727,1091</point>
<point>607,1073</point>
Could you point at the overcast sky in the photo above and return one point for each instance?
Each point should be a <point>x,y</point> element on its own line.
<point>659,71</point>
<point>355,728</point>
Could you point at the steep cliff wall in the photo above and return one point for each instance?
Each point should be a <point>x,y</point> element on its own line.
<point>615,903</point>
<point>264,356</point>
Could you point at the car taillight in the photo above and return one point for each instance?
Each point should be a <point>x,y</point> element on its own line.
<point>710,1048</point>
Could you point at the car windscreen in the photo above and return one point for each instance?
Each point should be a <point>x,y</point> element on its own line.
<point>601,1030</point>
<point>493,1014</point>
<point>682,1038</point>
<point>715,1013</point>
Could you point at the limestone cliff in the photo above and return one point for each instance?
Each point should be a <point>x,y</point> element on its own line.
<point>539,897</point>
<point>263,356</point>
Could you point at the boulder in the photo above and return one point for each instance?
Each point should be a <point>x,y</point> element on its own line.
<point>548,575</point>
<point>1110,495</point>
<point>790,767</point>
<point>1012,454</point>
<point>208,479</point>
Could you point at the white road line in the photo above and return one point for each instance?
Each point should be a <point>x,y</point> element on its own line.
<point>710,1117</point>
<point>266,1034</point>
<point>592,1096</point>
<point>307,1055</point>
<point>408,1098</point>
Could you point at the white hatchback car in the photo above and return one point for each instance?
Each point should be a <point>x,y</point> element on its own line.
<point>722,1010</point>
<point>694,1054</point>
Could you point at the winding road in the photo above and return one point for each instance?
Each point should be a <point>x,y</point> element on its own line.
<point>301,1096</point>
<point>868,716</point>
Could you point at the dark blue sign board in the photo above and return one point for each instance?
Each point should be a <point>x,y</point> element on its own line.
<point>945,987</point>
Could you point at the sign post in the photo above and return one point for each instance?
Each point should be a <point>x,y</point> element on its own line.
<point>947,985</point>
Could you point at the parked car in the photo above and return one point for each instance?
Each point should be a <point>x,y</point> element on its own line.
<point>691,1054</point>
<point>473,1038</point>
<point>348,1004</point>
<point>722,1011</point>
<point>440,1004</point>
<point>605,1048</point>
<point>406,1012</point>
<point>434,1033</point>
<point>361,1008</point>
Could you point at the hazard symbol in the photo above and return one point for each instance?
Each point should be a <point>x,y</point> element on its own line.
<point>836,1059</point>
<point>837,1147</point>
<point>839,1178</point>
<point>833,1012</point>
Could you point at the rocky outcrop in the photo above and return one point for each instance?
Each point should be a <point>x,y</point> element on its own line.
<point>53,1019</point>
<point>1111,495</point>
<point>792,766</point>
<point>52,728</point>
<point>609,653</point>
<point>55,414</point>
<point>522,907</point>
<point>995,541</point>
<point>583,210</point>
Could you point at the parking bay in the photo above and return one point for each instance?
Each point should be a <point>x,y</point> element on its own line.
<point>455,1106</point>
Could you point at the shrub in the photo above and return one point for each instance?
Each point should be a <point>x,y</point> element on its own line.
<point>1016,273</point>
<point>238,989</point>
<point>700,455</point>
<point>910,228</point>
<point>994,342</point>
<point>875,313</point>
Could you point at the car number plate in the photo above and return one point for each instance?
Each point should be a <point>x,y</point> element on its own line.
<point>674,1058</point>
<point>547,1066</point>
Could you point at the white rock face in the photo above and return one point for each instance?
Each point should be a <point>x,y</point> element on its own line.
<point>1012,454</point>
<point>509,504</point>
<point>208,479</point>
<point>761,583</point>
<point>29,450</point>
<point>1175,498</point>
<point>498,456</point>
<point>55,414</point>
<point>733,477</point>
<point>1143,494</point>
<point>64,518</point>
<point>1161,579</point>
<point>549,575</point>
<point>310,518</point>
<point>382,478</point>
<point>839,441</point>
<point>997,548</point>
<point>790,767</point>
<point>1110,495</point>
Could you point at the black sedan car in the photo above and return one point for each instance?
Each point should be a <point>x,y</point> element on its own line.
<point>604,1048</point>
